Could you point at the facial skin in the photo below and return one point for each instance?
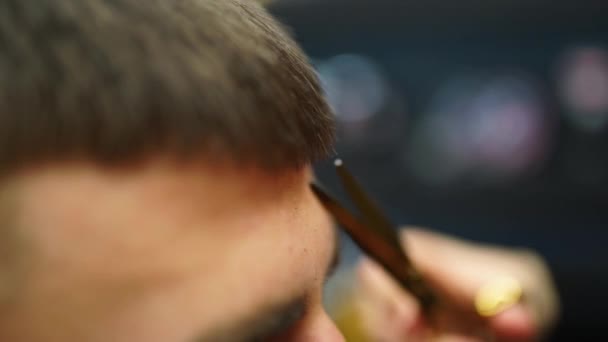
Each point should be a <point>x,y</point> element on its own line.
<point>169,251</point>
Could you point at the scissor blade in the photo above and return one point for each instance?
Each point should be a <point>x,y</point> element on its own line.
<point>371,214</point>
<point>391,258</point>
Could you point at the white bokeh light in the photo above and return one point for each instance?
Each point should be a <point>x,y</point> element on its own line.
<point>354,85</point>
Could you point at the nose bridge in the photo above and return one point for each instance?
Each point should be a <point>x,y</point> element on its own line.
<point>325,329</point>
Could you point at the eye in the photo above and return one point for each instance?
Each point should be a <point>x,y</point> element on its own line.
<point>285,333</point>
<point>280,325</point>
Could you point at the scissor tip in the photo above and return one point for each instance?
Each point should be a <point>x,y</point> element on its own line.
<point>338,162</point>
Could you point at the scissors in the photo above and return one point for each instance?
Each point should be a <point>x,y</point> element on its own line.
<point>375,235</point>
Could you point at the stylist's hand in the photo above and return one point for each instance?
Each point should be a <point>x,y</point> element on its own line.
<point>456,269</point>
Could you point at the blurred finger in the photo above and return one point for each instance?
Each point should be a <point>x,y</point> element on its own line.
<point>514,324</point>
<point>387,312</point>
<point>458,269</point>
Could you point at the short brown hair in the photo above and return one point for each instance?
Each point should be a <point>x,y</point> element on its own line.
<point>113,80</point>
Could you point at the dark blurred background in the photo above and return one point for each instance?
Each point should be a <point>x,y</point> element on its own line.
<point>484,119</point>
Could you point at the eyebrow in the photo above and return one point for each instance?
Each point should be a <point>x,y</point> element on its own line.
<point>276,320</point>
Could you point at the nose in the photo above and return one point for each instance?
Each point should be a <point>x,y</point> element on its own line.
<point>323,329</point>
<point>316,327</point>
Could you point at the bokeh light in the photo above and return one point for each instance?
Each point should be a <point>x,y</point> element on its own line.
<point>510,131</point>
<point>355,87</point>
<point>583,86</point>
<point>480,130</point>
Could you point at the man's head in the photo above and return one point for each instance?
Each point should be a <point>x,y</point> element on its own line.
<point>155,167</point>
<point>115,80</point>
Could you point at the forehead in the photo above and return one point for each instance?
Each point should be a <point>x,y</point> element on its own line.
<point>207,244</point>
